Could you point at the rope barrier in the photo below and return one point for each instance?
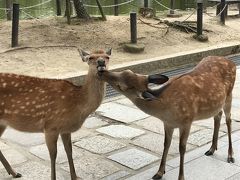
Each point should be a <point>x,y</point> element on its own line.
<point>47,24</point>
<point>108,6</point>
<point>28,7</point>
<point>218,13</point>
<point>163,5</point>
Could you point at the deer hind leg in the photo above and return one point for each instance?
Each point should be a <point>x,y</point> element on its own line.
<point>217,120</point>
<point>227,111</point>
<point>184,133</point>
<point>167,142</point>
<point>51,141</point>
<point>4,161</point>
<point>66,138</point>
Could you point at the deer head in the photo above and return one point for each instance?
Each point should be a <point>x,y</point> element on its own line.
<point>133,85</point>
<point>97,58</point>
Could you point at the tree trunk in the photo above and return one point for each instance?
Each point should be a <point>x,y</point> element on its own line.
<point>80,9</point>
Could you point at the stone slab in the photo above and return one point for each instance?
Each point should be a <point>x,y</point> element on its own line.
<point>41,152</point>
<point>3,146</point>
<point>13,157</point>
<point>235,137</point>
<point>93,122</point>
<point>202,137</point>
<point>22,138</point>
<point>133,158</point>
<point>120,112</point>
<point>81,133</point>
<point>90,166</point>
<point>125,101</point>
<point>99,144</point>
<point>116,176</point>
<point>155,143</point>
<point>155,125</point>
<point>222,153</point>
<point>234,177</point>
<point>120,131</point>
<point>147,174</point>
<point>34,171</point>
<point>204,168</point>
<point>235,113</point>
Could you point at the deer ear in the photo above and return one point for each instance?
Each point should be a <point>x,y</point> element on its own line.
<point>109,51</point>
<point>157,79</point>
<point>148,96</point>
<point>83,55</point>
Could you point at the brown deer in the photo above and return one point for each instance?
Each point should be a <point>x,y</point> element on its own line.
<point>199,94</point>
<point>54,107</point>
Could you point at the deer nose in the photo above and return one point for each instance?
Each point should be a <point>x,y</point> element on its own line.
<point>101,62</point>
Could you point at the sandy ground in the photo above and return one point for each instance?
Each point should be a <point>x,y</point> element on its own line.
<point>59,60</point>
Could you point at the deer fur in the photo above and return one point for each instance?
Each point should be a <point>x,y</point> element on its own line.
<point>199,94</point>
<point>54,107</point>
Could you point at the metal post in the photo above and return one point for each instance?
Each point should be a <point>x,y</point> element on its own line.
<point>199,17</point>
<point>101,10</point>
<point>133,27</point>
<point>8,11</point>
<point>68,11</point>
<point>222,17</point>
<point>116,8</point>
<point>58,4</point>
<point>172,6</point>
<point>146,3</point>
<point>15,24</point>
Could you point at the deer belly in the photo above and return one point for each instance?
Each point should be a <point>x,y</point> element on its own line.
<point>26,124</point>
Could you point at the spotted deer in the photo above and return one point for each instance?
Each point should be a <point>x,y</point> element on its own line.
<point>54,107</point>
<point>198,94</point>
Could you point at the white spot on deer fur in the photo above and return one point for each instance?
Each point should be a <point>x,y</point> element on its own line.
<point>13,105</point>
<point>30,90</point>
<point>2,103</point>
<point>18,102</point>
<point>64,110</point>
<point>22,107</point>
<point>33,102</point>
<point>10,95</point>
<point>27,103</point>
<point>4,85</point>
<point>16,111</point>
<point>6,111</point>
<point>63,97</point>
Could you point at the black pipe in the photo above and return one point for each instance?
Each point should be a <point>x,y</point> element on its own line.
<point>145,3</point>
<point>133,27</point>
<point>116,12</point>
<point>222,17</point>
<point>58,4</point>
<point>15,24</point>
<point>199,17</point>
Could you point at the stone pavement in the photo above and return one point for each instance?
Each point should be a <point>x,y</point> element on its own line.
<point>121,142</point>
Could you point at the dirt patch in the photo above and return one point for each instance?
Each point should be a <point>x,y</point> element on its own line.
<point>56,61</point>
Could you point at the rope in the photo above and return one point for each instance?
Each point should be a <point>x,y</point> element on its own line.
<point>29,7</point>
<point>218,13</point>
<point>163,5</point>
<point>47,24</point>
<point>189,15</point>
<point>36,5</point>
<point>107,6</point>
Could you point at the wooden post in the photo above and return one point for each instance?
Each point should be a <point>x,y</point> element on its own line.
<point>101,10</point>
<point>58,5</point>
<point>8,11</point>
<point>68,11</point>
<point>116,12</point>
<point>15,24</point>
<point>199,17</point>
<point>133,27</point>
<point>222,17</point>
<point>172,6</point>
<point>146,3</point>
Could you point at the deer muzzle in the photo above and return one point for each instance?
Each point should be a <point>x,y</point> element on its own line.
<point>101,66</point>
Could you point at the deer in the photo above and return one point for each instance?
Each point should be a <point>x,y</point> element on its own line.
<point>203,92</point>
<point>51,106</point>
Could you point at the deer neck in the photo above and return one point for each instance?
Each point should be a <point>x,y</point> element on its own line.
<point>94,91</point>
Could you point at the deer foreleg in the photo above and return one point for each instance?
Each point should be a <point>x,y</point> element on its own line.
<point>217,120</point>
<point>66,138</point>
<point>167,142</point>
<point>51,141</point>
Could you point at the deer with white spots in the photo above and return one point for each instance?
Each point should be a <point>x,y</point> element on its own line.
<point>54,107</point>
<point>199,94</point>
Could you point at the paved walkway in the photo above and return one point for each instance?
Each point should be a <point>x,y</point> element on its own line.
<point>121,142</point>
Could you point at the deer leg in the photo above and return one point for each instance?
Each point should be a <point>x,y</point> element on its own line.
<point>167,142</point>
<point>227,111</point>
<point>51,141</point>
<point>184,133</point>
<point>66,138</point>
<point>217,120</point>
<point>4,161</point>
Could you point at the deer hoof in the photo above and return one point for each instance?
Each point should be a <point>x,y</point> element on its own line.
<point>157,176</point>
<point>230,160</point>
<point>18,175</point>
<point>209,153</point>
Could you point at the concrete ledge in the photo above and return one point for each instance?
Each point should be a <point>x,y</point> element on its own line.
<point>169,62</point>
